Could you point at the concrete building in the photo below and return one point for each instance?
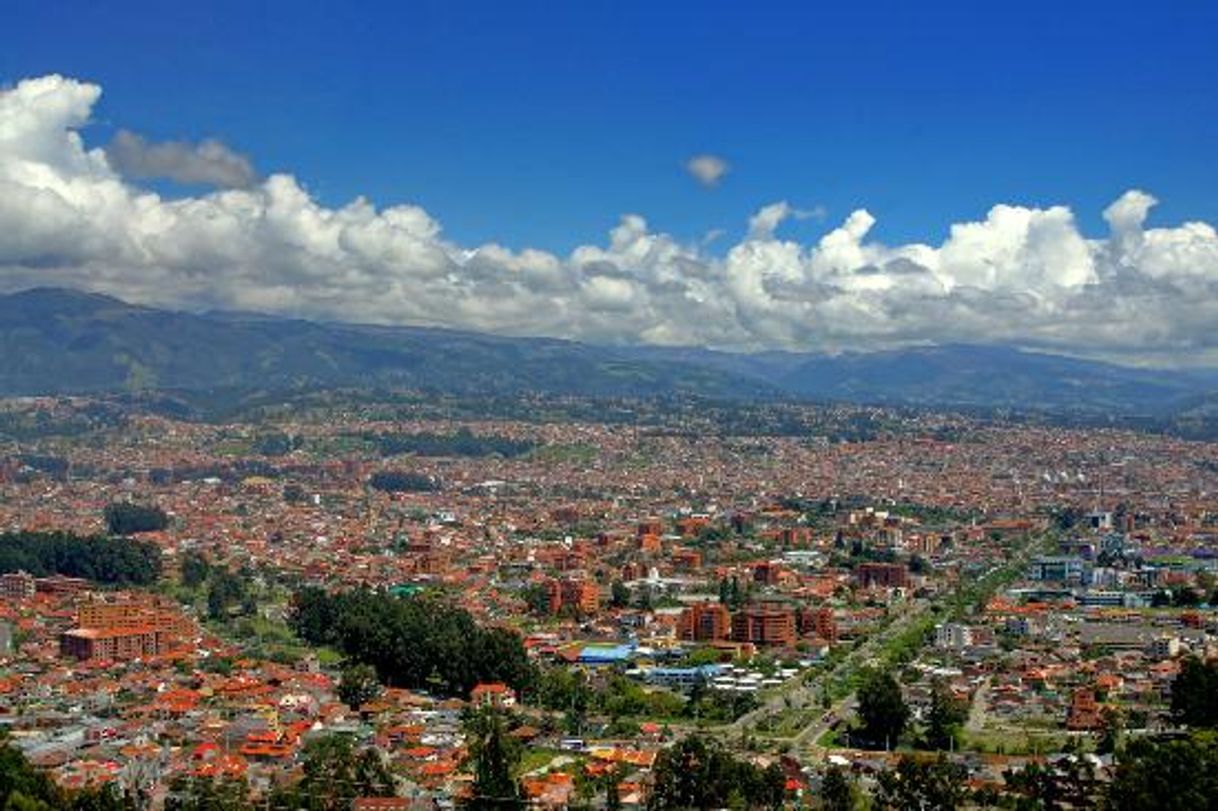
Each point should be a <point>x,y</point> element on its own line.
<point>19,585</point>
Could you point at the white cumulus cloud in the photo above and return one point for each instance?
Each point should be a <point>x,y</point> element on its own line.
<point>1026,275</point>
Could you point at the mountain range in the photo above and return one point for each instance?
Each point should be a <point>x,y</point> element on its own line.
<point>55,341</point>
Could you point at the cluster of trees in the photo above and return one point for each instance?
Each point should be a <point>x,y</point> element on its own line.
<point>921,782</point>
<point>495,761</point>
<point>227,592</point>
<point>917,784</point>
<point>1175,771</point>
<point>885,716</point>
<point>882,710</point>
<point>1182,597</point>
<point>231,471</point>
<point>126,518</point>
<point>1146,773</point>
<point>698,772</point>
<point>495,758</point>
<point>462,443</point>
<point>23,426</point>
<point>403,481</point>
<point>118,561</point>
<point>1194,693</point>
<point>26,788</point>
<point>944,718</point>
<point>358,685</point>
<point>618,697</point>
<point>334,771</point>
<point>419,641</point>
<point>276,443</point>
<point>54,467</point>
<point>1172,773</point>
<point>732,595</point>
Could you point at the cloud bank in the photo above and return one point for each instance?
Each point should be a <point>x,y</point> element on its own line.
<point>68,217</point>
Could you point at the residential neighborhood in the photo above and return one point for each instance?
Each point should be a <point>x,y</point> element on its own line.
<point>660,581</point>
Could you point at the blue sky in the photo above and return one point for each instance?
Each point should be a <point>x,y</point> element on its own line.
<point>539,124</point>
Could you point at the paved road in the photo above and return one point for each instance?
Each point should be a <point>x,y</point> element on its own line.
<point>977,710</point>
<point>797,694</point>
<point>802,694</point>
<point>813,732</point>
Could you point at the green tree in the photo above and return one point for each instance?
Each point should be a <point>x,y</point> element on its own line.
<point>335,772</point>
<point>1034,786</point>
<point>1180,773</point>
<point>734,597</point>
<point>107,797</point>
<point>400,481</point>
<point>944,718</point>
<point>495,756</point>
<point>537,597</point>
<point>416,641</point>
<point>697,773</point>
<point>195,570</point>
<point>190,793</point>
<point>21,785</point>
<point>225,589</point>
<point>116,560</point>
<point>1194,693</point>
<point>613,796</point>
<point>1111,732</point>
<point>1075,772</point>
<point>125,518</point>
<point>917,785</point>
<point>619,594</point>
<point>881,709</point>
<point>838,791</point>
<point>358,685</point>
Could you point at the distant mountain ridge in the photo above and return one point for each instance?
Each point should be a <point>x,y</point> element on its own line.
<point>62,341</point>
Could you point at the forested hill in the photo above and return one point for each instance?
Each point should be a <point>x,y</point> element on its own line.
<point>59,341</point>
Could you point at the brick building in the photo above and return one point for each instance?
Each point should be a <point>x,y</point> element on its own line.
<point>1084,713</point>
<point>764,625</point>
<point>883,575</point>
<point>704,622</point>
<point>114,644</point>
<point>686,560</point>
<point>817,622</point>
<point>767,573</point>
<point>582,596</point>
<point>128,614</point>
